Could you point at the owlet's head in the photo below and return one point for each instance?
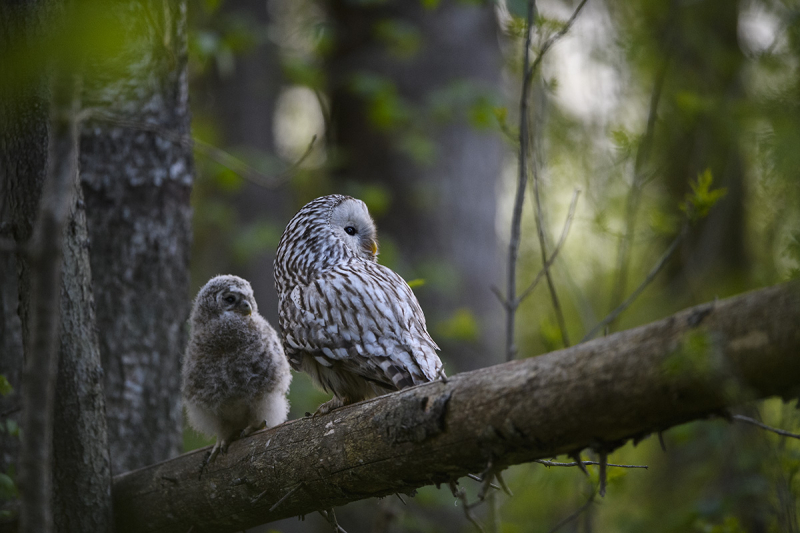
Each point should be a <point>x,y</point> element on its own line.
<point>224,294</point>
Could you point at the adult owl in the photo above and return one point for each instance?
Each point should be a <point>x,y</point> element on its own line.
<point>235,374</point>
<point>354,325</point>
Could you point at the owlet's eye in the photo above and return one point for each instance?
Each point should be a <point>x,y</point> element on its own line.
<point>230,299</point>
<point>350,230</point>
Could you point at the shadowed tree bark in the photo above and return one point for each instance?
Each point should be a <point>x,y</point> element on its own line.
<point>391,66</point>
<point>78,467</point>
<point>136,182</point>
<point>23,153</point>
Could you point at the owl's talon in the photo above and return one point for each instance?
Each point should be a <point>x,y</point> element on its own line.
<point>249,430</point>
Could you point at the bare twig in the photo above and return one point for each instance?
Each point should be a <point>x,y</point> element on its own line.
<point>603,464</point>
<point>642,286</point>
<point>516,216</point>
<point>554,255</point>
<point>461,494</point>
<point>755,422</point>
<point>574,515</point>
<point>330,516</point>
<point>578,464</point>
<point>216,154</point>
<point>552,40</point>
<point>479,479</point>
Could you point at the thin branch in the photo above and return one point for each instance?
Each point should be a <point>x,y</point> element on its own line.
<point>755,422</point>
<point>553,463</point>
<point>552,40</point>
<point>574,515</point>
<point>562,325</point>
<point>554,255</point>
<point>216,154</point>
<point>634,197</point>
<point>511,302</point>
<point>461,494</point>
<point>516,216</point>
<point>330,517</point>
<point>603,467</point>
<point>642,286</point>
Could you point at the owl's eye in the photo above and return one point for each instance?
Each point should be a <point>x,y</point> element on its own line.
<point>350,230</point>
<point>230,299</point>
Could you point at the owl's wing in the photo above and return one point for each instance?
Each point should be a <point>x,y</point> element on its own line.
<point>363,318</point>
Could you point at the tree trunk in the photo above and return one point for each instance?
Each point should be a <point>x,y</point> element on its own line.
<point>137,177</point>
<point>82,469</point>
<point>442,206</point>
<point>599,394</point>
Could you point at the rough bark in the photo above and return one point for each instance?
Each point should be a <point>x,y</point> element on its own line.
<point>689,366</point>
<point>441,215</point>
<point>44,254</point>
<point>23,153</point>
<point>136,184</point>
<point>82,471</point>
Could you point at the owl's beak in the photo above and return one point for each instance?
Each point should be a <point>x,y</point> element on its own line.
<point>246,309</point>
<point>374,248</point>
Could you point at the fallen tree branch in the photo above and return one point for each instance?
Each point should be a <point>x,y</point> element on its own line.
<point>599,394</point>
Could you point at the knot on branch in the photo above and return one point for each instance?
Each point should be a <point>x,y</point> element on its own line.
<point>413,419</point>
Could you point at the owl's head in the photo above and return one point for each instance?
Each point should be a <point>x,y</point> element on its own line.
<point>350,222</point>
<point>325,232</point>
<point>225,294</point>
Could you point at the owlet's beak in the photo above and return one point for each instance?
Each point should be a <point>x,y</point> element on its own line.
<point>246,309</point>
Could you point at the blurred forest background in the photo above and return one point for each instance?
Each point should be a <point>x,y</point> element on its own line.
<point>413,106</point>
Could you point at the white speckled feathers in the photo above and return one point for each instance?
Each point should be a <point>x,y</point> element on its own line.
<point>235,374</point>
<point>353,324</point>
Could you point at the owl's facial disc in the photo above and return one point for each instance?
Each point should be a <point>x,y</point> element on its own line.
<point>234,300</point>
<point>351,222</point>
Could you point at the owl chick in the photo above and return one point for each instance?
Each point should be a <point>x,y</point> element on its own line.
<point>235,374</point>
<point>354,325</point>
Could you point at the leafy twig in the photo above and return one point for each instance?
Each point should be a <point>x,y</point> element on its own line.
<point>642,286</point>
<point>755,422</point>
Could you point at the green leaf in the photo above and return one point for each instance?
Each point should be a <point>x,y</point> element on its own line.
<point>419,282</point>
<point>8,489</point>
<point>5,386</point>
<point>702,198</point>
